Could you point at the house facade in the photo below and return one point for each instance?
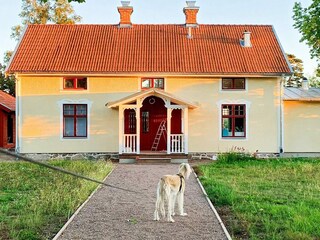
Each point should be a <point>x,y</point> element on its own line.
<point>7,120</point>
<point>131,89</point>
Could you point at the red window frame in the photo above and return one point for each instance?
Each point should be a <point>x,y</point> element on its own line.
<point>233,116</point>
<point>233,84</point>
<point>75,83</point>
<point>75,116</point>
<point>152,85</point>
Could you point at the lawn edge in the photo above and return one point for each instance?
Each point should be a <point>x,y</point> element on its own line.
<point>79,208</point>
<point>213,208</point>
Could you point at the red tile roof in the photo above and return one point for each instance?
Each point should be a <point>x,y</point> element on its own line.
<point>214,49</point>
<point>7,102</point>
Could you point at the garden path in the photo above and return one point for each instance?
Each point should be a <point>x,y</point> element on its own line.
<point>117,214</point>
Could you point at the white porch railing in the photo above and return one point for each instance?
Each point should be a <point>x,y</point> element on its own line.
<point>177,143</point>
<point>129,143</point>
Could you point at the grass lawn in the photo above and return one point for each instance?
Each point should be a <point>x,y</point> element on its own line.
<point>35,202</point>
<point>266,199</point>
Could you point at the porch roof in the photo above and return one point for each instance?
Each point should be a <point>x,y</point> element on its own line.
<point>151,92</point>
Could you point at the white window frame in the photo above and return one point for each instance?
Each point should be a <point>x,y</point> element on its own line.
<point>71,101</point>
<point>233,102</point>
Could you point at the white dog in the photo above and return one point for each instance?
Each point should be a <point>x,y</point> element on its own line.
<point>171,188</point>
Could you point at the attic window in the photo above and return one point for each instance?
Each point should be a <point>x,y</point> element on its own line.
<point>147,83</point>
<point>233,84</point>
<point>75,83</point>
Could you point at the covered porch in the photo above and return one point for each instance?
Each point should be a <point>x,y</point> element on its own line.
<point>152,122</point>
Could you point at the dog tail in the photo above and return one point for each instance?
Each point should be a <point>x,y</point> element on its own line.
<point>162,196</point>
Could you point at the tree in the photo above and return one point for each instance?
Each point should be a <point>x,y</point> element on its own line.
<point>39,12</point>
<point>7,83</point>
<point>297,67</point>
<point>79,1</point>
<point>307,21</point>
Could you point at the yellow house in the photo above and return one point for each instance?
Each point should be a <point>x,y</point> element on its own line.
<point>128,89</point>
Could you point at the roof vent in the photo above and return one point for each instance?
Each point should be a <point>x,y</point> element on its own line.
<point>125,14</point>
<point>246,40</point>
<point>305,84</point>
<point>191,12</point>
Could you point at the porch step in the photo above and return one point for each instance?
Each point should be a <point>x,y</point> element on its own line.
<point>152,158</point>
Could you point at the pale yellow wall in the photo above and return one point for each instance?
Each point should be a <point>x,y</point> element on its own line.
<point>301,126</point>
<point>41,122</point>
<point>204,122</point>
<point>41,110</point>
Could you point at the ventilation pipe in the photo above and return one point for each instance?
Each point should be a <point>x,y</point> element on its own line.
<point>305,84</point>
<point>246,40</point>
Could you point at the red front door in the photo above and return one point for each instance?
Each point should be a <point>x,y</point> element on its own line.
<point>153,112</point>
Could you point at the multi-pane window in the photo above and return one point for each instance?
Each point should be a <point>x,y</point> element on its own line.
<point>75,120</point>
<point>152,83</point>
<point>75,83</point>
<point>233,83</point>
<point>233,120</point>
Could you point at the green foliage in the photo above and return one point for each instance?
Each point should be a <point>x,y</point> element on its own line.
<point>235,155</point>
<point>266,199</point>
<point>314,81</point>
<point>297,67</point>
<point>35,201</point>
<point>307,21</point>
<point>40,12</point>
<point>7,83</point>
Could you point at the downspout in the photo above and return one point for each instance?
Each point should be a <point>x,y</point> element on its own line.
<point>281,150</point>
<point>18,115</point>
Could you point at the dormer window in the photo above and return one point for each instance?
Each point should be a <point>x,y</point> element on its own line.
<point>147,83</point>
<point>75,83</point>
<point>233,84</point>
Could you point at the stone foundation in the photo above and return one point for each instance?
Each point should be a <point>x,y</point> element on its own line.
<point>72,156</point>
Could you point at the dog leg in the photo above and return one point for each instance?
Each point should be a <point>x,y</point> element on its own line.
<point>173,203</point>
<point>156,211</point>
<point>158,203</point>
<point>180,200</point>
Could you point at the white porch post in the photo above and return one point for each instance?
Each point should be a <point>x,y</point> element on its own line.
<point>121,129</point>
<point>169,111</point>
<point>138,124</point>
<point>185,129</point>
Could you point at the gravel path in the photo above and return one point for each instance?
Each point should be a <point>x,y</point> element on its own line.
<point>116,214</point>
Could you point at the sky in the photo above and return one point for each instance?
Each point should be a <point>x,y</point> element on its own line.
<point>272,12</point>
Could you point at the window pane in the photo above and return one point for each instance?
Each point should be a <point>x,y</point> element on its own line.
<point>239,127</point>
<point>146,83</point>
<point>68,109</point>
<point>227,83</point>
<point>69,83</point>
<point>226,127</point>
<point>81,127</point>
<point>158,83</point>
<point>68,127</point>
<point>239,110</point>
<point>227,110</point>
<point>81,110</point>
<point>82,83</point>
<point>132,121</point>
<point>145,122</point>
<point>239,83</point>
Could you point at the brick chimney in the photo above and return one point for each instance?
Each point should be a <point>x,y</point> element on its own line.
<point>191,14</point>
<point>125,14</point>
